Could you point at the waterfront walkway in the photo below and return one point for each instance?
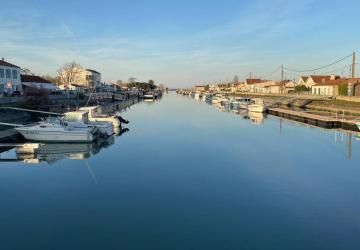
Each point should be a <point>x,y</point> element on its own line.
<point>315,119</point>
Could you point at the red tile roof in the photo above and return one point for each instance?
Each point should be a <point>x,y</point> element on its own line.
<point>321,79</point>
<point>252,81</point>
<point>304,78</point>
<point>7,64</point>
<point>337,82</point>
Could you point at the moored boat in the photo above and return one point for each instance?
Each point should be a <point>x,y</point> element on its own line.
<point>259,106</point>
<point>94,116</point>
<point>56,132</point>
<point>81,118</point>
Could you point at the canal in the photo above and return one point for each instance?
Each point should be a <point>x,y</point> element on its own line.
<point>187,176</point>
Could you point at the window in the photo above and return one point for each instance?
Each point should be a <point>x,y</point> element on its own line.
<point>8,73</point>
<point>1,73</point>
<point>14,75</point>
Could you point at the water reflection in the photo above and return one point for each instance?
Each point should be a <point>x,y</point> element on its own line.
<point>35,153</point>
<point>343,139</point>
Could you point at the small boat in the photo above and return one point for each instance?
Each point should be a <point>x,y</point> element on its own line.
<point>217,99</point>
<point>197,96</point>
<point>358,125</point>
<point>258,106</point>
<point>149,95</point>
<point>56,132</point>
<point>94,116</point>
<point>81,118</point>
<point>245,102</point>
<point>234,105</point>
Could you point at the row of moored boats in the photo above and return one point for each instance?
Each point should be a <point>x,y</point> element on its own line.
<point>232,102</point>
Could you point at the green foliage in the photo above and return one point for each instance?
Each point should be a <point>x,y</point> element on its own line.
<point>343,90</point>
<point>143,86</point>
<point>301,88</point>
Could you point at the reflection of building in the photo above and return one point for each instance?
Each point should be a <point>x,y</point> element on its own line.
<point>9,77</point>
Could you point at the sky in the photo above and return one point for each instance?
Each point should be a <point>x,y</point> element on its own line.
<point>180,43</point>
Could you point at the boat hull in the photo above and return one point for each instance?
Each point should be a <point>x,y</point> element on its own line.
<point>56,136</point>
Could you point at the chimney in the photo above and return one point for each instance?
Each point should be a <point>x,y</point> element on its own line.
<point>332,77</point>
<point>2,59</point>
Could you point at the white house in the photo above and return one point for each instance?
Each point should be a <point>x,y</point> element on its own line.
<point>37,82</point>
<point>72,87</point>
<point>330,87</point>
<point>316,79</point>
<point>9,77</point>
<point>87,78</point>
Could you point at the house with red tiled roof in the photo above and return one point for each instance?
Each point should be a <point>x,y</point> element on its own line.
<point>9,77</point>
<point>316,79</point>
<point>250,84</point>
<point>302,80</point>
<point>333,87</point>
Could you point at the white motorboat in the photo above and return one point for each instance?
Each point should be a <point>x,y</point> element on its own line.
<point>217,99</point>
<point>56,132</point>
<point>245,102</point>
<point>234,105</point>
<point>358,125</point>
<point>94,116</point>
<point>258,107</point>
<point>197,95</point>
<point>81,118</point>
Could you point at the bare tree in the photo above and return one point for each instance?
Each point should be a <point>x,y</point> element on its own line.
<point>236,79</point>
<point>68,72</point>
<point>132,80</point>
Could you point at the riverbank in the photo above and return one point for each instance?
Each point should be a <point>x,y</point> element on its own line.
<point>350,106</point>
<point>9,115</point>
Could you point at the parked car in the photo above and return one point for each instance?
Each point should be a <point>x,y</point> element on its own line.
<point>15,94</point>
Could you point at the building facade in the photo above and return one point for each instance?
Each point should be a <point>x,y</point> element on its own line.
<point>10,80</point>
<point>37,82</point>
<point>87,78</point>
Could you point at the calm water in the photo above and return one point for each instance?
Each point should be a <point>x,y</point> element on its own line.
<point>187,176</point>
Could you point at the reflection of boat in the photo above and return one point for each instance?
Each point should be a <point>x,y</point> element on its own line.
<point>257,117</point>
<point>51,152</point>
<point>149,95</point>
<point>56,132</point>
<point>258,106</point>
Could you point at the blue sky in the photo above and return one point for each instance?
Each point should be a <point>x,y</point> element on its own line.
<point>179,43</point>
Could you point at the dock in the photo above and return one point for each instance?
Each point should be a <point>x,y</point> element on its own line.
<point>314,119</point>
